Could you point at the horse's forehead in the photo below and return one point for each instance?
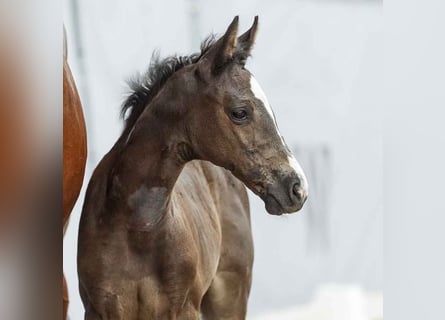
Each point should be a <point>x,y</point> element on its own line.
<point>260,95</point>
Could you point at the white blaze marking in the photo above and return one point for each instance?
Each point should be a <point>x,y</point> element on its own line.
<point>260,95</point>
<point>296,166</point>
<point>293,163</point>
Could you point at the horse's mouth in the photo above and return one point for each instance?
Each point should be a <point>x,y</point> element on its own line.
<point>272,205</point>
<point>275,203</point>
<point>275,207</point>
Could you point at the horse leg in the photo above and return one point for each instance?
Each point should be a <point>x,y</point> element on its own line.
<point>187,313</point>
<point>103,305</point>
<point>92,315</point>
<point>227,297</point>
<point>106,312</point>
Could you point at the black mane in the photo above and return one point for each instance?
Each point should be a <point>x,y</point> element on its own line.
<point>143,88</point>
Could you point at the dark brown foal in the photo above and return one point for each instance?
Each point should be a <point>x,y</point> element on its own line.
<point>165,229</point>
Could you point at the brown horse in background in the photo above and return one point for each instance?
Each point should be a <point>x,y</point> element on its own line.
<point>74,149</point>
<point>165,228</point>
<point>15,135</point>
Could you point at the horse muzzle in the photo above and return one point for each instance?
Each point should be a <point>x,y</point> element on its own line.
<point>286,196</point>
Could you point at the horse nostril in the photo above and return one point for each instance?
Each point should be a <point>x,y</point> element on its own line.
<point>298,191</point>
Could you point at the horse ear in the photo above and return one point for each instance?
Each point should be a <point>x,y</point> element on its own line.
<point>221,52</point>
<point>245,42</point>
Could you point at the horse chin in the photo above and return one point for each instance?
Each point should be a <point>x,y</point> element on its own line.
<point>272,205</point>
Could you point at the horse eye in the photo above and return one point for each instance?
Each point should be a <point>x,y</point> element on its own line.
<point>239,114</point>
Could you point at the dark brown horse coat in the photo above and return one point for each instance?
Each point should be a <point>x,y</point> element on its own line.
<point>164,233</point>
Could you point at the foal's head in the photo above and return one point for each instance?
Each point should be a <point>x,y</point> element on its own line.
<point>233,125</point>
<point>224,117</point>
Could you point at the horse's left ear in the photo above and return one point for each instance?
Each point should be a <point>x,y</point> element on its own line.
<point>221,52</point>
<point>245,43</point>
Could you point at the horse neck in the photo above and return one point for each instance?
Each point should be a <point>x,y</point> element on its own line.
<point>147,167</point>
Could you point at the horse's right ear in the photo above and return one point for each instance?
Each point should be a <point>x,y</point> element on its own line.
<point>246,42</point>
<point>221,52</point>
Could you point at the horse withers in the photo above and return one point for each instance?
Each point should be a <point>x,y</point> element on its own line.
<point>165,229</point>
